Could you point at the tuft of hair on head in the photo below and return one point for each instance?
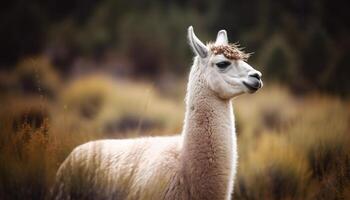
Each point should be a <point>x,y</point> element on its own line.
<point>230,51</point>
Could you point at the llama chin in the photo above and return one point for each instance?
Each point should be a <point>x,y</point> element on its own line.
<point>200,163</point>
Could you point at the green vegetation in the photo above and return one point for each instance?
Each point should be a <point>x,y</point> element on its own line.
<point>302,44</point>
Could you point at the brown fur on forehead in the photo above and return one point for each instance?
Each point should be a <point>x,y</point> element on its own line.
<point>230,51</point>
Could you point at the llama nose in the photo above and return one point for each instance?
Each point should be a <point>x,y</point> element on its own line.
<point>255,75</point>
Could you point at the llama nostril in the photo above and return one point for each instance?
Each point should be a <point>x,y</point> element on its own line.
<point>255,75</point>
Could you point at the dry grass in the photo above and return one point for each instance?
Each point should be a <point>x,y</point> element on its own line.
<point>36,76</point>
<point>289,148</point>
<point>111,107</point>
<point>293,148</point>
<point>273,170</point>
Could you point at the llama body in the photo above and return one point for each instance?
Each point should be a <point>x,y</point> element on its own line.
<point>200,163</point>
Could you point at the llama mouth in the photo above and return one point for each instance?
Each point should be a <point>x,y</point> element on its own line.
<point>252,87</point>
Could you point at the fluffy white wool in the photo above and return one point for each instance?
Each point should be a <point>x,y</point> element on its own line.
<point>200,163</point>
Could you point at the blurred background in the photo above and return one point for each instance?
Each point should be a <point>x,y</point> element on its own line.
<point>75,71</point>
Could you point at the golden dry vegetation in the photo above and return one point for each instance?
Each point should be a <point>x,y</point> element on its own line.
<point>290,147</point>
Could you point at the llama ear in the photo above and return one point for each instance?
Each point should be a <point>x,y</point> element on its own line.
<point>221,39</point>
<point>198,47</point>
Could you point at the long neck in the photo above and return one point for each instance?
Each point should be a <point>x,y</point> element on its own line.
<point>209,141</point>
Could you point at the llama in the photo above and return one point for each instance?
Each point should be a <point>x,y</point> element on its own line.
<point>198,164</point>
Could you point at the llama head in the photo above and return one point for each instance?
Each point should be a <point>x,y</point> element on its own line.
<point>223,66</point>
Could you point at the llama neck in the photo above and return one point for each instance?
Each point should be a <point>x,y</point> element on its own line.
<point>209,141</point>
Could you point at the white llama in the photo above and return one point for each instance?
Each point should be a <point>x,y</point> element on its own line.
<point>198,164</point>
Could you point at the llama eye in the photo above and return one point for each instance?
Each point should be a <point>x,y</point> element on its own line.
<point>223,65</point>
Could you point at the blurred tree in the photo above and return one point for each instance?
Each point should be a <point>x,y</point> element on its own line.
<point>277,67</point>
<point>24,26</point>
<point>315,57</point>
<point>148,40</point>
<point>339,82</point>
<point>21,30</point>
<point>316,32</point>
<point>279,60</point>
